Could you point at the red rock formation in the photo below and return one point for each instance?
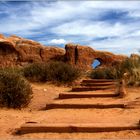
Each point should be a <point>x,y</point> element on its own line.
<point>52,53</point>
<point>29,51</point>
<point>15,50</point>
<point>8,53</point>
<point>83,56</point>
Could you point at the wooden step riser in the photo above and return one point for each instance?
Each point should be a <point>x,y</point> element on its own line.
<point>83,106</point>
<point>78,89</point>
<point>97,81</point>
<point>27,128</point>
<point>67,96</point>
<point>98,84</point>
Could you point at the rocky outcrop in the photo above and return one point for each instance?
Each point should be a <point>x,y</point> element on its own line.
<point>8,52</point>
<point>15,50</point>
<point>83,56</point>
<point>52,53</point>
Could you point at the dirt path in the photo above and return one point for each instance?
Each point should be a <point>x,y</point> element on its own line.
<point>46,93</point>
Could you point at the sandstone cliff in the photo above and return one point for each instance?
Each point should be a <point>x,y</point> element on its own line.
<point>84,56</point>
<point>18,51</point>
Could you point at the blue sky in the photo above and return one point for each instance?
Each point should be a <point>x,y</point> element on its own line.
<point>104,25</point>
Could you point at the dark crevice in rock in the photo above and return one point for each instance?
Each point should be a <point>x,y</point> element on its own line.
<point>40,53</point>
<point>76,55</point>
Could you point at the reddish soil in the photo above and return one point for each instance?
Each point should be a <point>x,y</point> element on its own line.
<point>11,119</point>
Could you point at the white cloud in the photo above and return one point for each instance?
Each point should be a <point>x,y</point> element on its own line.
<point>118,45</point>
<point>78,21</point>
<point>97,29</point>
<point>124,5</point>
<point>57,41</point>
<point>41,14</point>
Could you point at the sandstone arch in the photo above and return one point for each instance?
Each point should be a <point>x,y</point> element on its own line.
<point>83,57</point>
<point>96,63</point>
<point>19,51</point>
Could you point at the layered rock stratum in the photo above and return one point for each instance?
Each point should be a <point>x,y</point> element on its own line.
<point>17,51</point>
<point>84,56</point>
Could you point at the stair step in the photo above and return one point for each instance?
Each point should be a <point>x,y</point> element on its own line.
<point>84,106</point>
<point>98,84</point>
<point>85,95</point>
<point>85,88</point>
<point>78,127</point>
<point>98,80</point>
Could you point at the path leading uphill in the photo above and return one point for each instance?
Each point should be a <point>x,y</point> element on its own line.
<point>91,107</point>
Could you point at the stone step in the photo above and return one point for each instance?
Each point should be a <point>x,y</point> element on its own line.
<point>90,88</point>
<point>84,106</point>
<point>85,95</point>
<point>98,80</point>
<point>78,127</point>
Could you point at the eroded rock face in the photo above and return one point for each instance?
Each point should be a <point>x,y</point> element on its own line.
<point>15,50</point>
<point>83,56</point>
<point>29,51</point>
<point>8,53</point>
<point>52,53</point>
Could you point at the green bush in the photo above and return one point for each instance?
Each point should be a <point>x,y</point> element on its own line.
<point>15,91</point>
<point>51,71</point>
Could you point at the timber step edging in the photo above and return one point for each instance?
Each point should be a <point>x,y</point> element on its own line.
<point>82,88</point>
<point>84,106</point>
<point>82,95</point>
<point>98,80</point>
<point>78,127</point>
<point>97,84</point>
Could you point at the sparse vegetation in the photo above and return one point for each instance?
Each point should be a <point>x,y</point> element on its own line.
<point>131,66</point>
<point>103,73</point>
<point>52,71</point>
<point>35,72</point>
<point>15,91</point>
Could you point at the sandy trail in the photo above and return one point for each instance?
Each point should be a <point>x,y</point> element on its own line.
<point>45,93</point>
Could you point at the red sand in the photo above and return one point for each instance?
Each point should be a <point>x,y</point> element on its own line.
<point>45,93</point>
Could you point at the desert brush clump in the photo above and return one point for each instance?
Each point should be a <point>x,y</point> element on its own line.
<point>131,66</point>
<point>55,71</point>
<point>103,73</point>
<point>15,91</point>
<point>35,72</point>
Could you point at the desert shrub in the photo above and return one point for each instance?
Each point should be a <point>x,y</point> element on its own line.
<point>134,78</point>
<point>35,71</point>
<point>103,73</point>
<point>97,74</point>
<point>11,70</point>
<point>61,72</point>
<point>130,66</point>
<point>110,73</point>
<point>51,71</point>
<point>15,91</point>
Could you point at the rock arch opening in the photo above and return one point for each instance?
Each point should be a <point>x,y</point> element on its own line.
<point>96,63</point>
